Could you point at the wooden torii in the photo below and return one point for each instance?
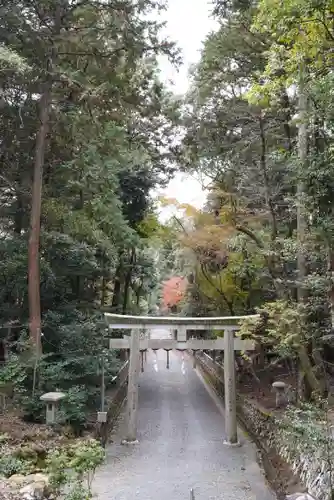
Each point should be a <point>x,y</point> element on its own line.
<point>229,343</point>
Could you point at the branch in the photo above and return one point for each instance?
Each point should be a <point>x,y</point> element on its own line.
<point>248,232</point>
<point>263,165</point>
<point>108,55</point>
<point>221,293</point>
<point>39,15</point>
<point>180,224</point>
<point>8,182</point>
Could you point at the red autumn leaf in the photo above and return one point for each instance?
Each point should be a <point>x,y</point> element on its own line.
<point>173,291</point>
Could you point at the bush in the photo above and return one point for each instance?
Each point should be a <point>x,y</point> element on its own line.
<point>72,348</point>
<point>10,465</point>
<point>33,409</point>
<point>73,408</point>
<point>74,467</point>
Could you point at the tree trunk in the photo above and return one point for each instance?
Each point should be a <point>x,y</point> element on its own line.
<point>138,294</point>
<point>35,222</point>
<point>302,155</point>
<point>116,298</point>
<point>305,363</point>
<point>330,270</point>
<point>263,166</point>
<point>104,282</point>
<point>128,280</point>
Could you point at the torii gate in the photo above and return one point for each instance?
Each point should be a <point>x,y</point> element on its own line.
<point>228,343</point>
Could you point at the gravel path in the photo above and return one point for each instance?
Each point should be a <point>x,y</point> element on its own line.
<point>181,433</point>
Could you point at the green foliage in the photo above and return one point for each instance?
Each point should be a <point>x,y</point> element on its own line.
<point>74,467</point>
<point>109,143</point>
<point>298,30</point>
<point>33,409</point>
<point>278,326</point>
<point>72,365</point>
<point>70,469</point>
<point>10,465</point>
<point>308,429</point>
<point>73,407</point>
<point>264,241</point>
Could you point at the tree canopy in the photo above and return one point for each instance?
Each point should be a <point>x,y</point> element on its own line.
<point>88,130</point>
<point>258,120</point>
<point>86,133</point>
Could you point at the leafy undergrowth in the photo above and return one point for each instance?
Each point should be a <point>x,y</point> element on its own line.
<point>261,390</point>
<point>15,431</point>
<point>24,446</point>
<point>31,454</point>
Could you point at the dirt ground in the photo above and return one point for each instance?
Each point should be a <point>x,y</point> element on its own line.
<point>14,432</point>
<point>260,389</point>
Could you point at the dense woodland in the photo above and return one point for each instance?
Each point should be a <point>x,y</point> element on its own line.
<point>258,120</point>
<point>88,131</point>
<point>86,134</point>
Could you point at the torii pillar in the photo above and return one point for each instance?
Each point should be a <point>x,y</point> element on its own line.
<point>231,430</point>
<point>132,395</point>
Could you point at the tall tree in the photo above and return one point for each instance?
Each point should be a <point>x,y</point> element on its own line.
<point>91,115</point>
<point>261,134</point>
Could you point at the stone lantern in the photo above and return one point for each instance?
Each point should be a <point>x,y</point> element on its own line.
<point>280,390</point>
<point>52,400</point>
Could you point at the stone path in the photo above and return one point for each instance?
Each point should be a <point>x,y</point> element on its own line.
<point>181,433</point>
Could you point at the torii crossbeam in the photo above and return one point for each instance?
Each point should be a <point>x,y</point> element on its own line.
<point>228,343</point>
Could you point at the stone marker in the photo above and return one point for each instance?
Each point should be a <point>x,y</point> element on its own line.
<point>280,390</point>
<point>52,400</point>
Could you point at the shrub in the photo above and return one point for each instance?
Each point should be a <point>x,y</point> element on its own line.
<point>73,407</point>
<point>74,467</point>
<point>33,409</point>
<point>10,465</point>
<point>70,363</point>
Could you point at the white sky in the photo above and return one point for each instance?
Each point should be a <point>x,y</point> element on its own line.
<point>188,23</point>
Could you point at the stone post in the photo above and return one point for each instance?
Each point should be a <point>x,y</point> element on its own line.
<point>132,397</point>
<point>230,390</point>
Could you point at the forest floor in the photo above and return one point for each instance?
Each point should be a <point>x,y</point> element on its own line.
<point>261,390</point>
<point>18,431</point>
<point>15,432</point>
